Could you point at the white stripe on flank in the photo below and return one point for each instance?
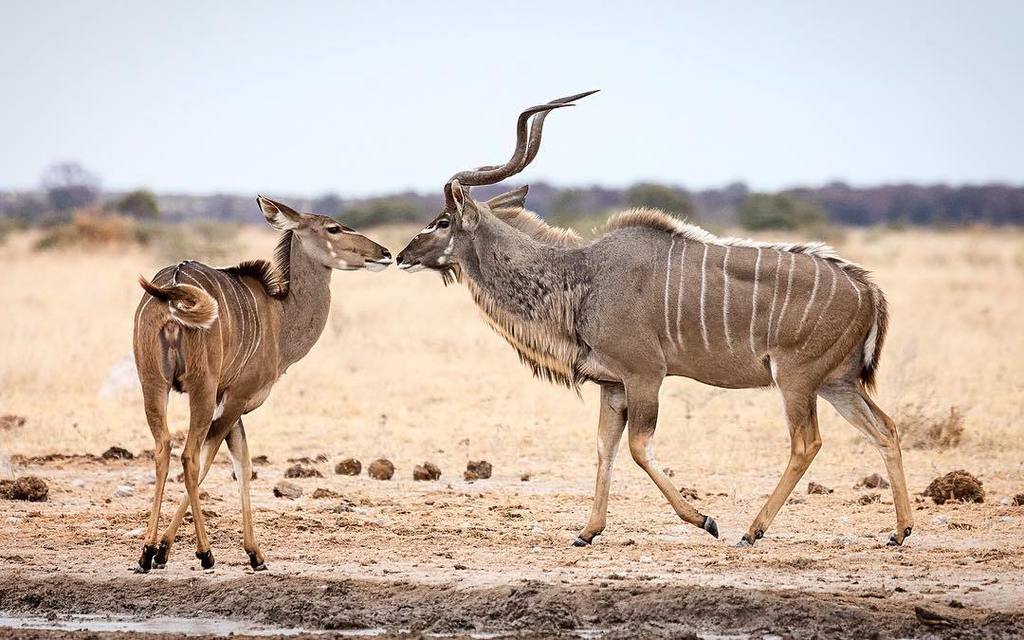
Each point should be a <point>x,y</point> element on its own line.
<point>258,330</point>
<point>753,302</point>
<point>725,297</point>
<point>785,302</point>
<point>856,289</point>
<point>679,295</point>
<point>824,310</point>
<point>810,301</point>
<point>703,297</point>
<point>775,295</point>
<point>668,278</point>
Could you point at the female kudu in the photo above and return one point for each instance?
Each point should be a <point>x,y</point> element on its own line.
<point>224,337</point>
<point>655,297</point>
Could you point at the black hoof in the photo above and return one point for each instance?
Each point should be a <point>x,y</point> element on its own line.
<point>256,563</point>
<point>710,526</point>
<point>579,542</point>
<point>743,543</point>
<point>205,559</point>
<point>160,560</point>
<point>893,542</point>
<point>748,541</point>
<point>146,560</point>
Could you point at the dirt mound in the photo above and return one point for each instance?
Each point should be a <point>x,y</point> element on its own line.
<point>817,489</point>
<point>956,485</point>
<point>11,421</point>
<point>381,469</point>
<point>869,498</point>
<point>426,471</point>
<point>117,453</point>
<point>477,470</point>
<point>348,467</point>
<point>322,493</point>
<point>302,471</point>
<point>31,488</point>
<point>285,489</point>
<point>874,481</point>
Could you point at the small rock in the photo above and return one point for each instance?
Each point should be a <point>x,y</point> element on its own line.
<point>381,469</point>
<point>477,470</point>
<point>869,498</point>
<point>646,559</point>
<point>12,521</point>
<point>134,533</point>
<point>956,485</point>
<point>536,530</point>
<point>124,491</point>
<point>426,471</point>
<point>940,520</point>
<point>669,472</point>
<point>524,477</point>
<point>321,493</point>
<point>689,493</point>
<point>348,467</point>
<point>285,489</point>
<point>31,488</point>
<point>11,421</point>
<point>817,489</point>
<point>78,483</point>
<point>874,481</point>
<point>117,453</point>
<point>302,471</point>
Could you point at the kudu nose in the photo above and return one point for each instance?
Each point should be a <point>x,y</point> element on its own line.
<point>385,253</point>
<point>401,258</point>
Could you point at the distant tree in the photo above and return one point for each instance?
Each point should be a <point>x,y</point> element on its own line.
<point>386,210</point>
<point>328,204</point>
<point>779,211</point>
<point>69,186</point>
<point>566,204</point>
<point>141,204</point>
<point>659,196</point>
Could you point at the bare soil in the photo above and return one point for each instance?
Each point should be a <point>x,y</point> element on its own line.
<point>494,557</point>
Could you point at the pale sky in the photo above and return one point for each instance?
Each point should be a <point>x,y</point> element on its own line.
<point>361,98</point>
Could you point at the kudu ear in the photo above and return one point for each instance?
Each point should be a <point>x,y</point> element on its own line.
<point>509,203</point>
<point>465,208</point>
<point>280,216</point>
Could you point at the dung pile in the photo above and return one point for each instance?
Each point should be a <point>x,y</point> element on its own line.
<point>30,488</point>
<point>477,470</point>
<point>959,485</point>
<point>381,469</point>
<point>426,471</point>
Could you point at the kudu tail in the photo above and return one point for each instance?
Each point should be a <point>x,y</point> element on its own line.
<point>875,339</point>
<point>188,305</point>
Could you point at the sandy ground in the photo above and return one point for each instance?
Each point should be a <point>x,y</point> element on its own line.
<point>407,371</point>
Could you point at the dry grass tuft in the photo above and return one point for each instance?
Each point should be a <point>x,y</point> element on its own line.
<point>920,429</point>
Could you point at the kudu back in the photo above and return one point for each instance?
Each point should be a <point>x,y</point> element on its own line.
<point>656,297</point>
<point>224,336</point>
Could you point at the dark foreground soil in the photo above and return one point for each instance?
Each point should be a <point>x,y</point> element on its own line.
<point>619,608</point>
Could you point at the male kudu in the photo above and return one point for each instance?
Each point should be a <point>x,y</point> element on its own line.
<point>655,297</point>
<point>224,337</point>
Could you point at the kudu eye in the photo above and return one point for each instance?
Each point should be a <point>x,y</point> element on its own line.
<point>334,229</point>
<point>444,223</point>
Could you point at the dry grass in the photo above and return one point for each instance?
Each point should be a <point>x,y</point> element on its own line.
<point>406,370</point>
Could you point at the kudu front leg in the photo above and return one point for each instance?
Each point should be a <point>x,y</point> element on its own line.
<point>239,448</point>
<point>805,442</point>
<point>642,404</point>
<point>611,424</point>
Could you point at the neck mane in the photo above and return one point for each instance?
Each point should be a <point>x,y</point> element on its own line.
<point>529,293</point>
<point>275,275</point>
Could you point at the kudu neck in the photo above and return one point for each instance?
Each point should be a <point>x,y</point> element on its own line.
<point>305,308</point>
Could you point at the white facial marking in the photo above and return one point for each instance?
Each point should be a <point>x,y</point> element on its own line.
<point>443,259</point>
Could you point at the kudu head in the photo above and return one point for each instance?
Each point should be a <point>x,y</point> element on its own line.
<point>327,241</point>
<point>435,247</point>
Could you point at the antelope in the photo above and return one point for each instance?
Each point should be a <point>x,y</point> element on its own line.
<point>657,297</point>
<point>224,336</point>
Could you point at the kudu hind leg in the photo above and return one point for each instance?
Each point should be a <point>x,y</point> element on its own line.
<point>239,448</point>
<point>642,404</point>
<point>804,443</point>
<point>853,403</point>
<point>611,424</point>
<point>202,398</point>
<point>155,400</point>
